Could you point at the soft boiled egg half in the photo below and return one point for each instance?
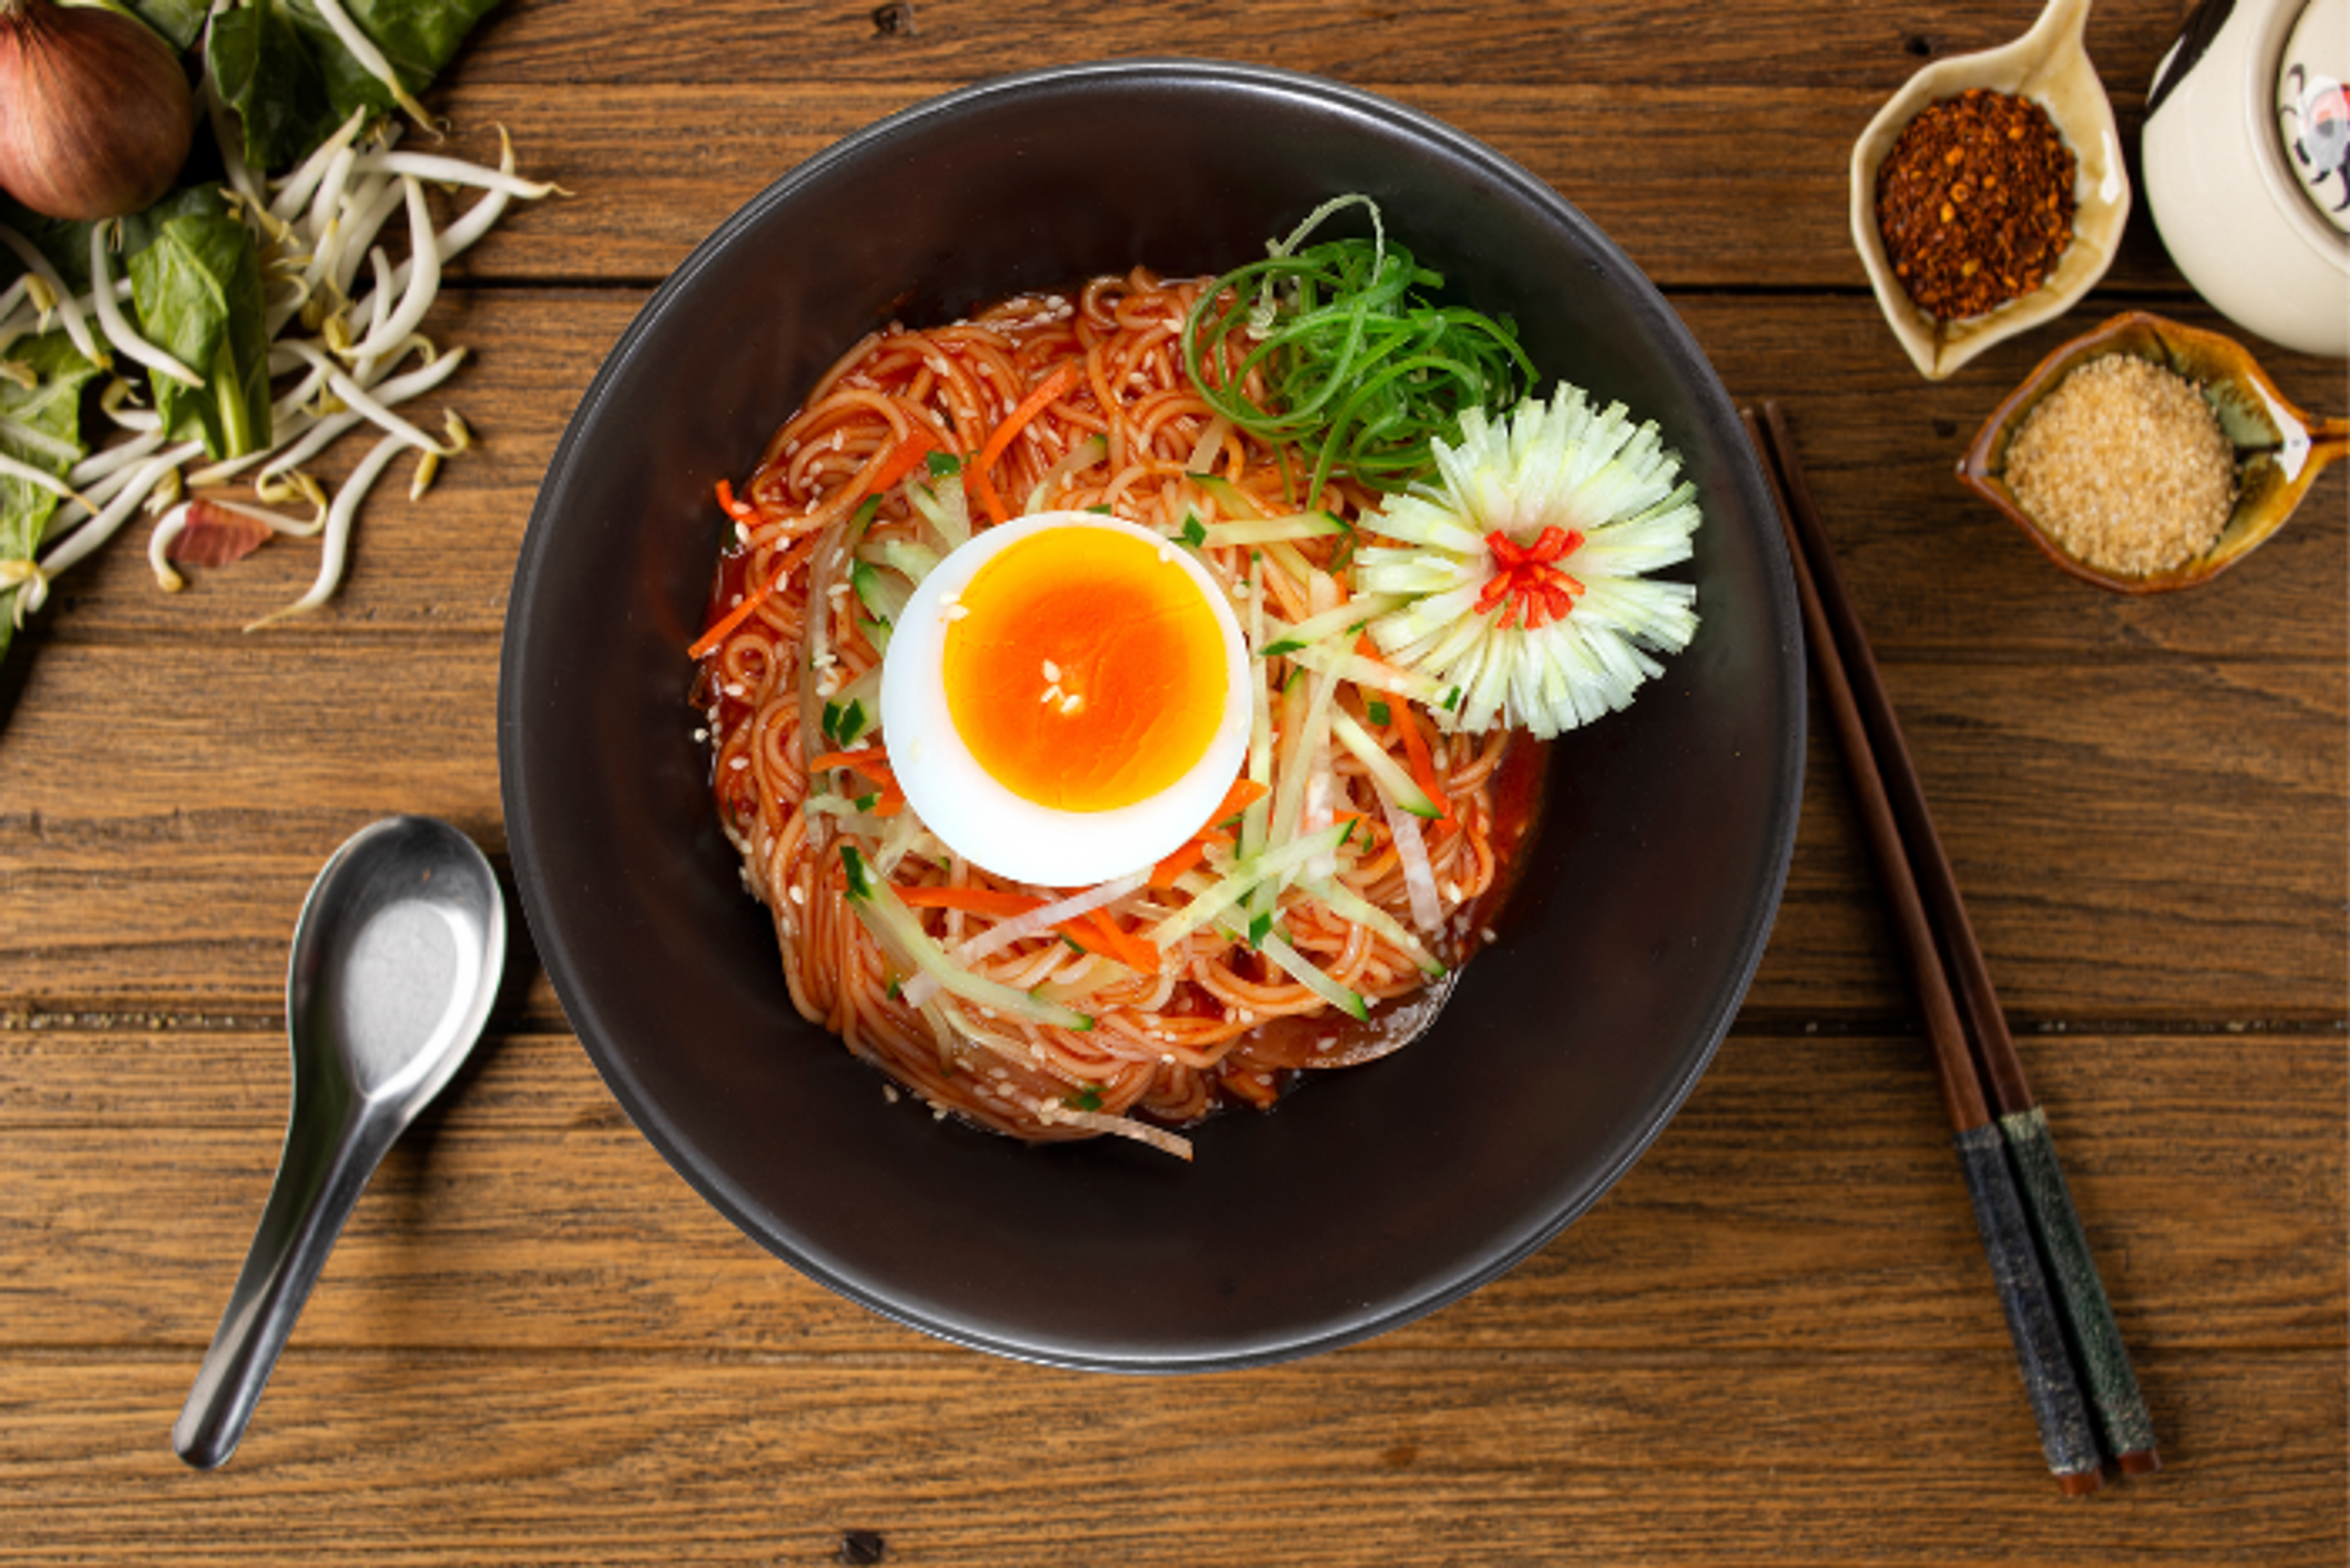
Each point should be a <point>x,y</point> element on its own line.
<point>1065,699</point>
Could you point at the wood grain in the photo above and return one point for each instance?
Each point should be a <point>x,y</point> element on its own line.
<point>1369,1455</point>
<point>1772,1343</point>
<point>526,1214</point>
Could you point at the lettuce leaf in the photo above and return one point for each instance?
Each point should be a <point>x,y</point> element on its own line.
<point>53,407</point>
<point>196,285</point>
<point>179,21</point>
<point>290,81</point>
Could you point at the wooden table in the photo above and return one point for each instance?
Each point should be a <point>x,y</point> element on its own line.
<point>1775,1341</point>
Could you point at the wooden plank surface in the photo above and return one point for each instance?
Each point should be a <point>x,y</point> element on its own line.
<point>1773,1343</point>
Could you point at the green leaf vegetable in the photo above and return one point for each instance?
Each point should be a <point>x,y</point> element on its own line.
<point>51,408</point>
<point>286,76</point>
<point>180,22</point>
<point>197,286</point>
<point>287,72</point>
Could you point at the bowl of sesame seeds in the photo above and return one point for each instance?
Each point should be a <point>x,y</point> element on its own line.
<point>2146,455</point>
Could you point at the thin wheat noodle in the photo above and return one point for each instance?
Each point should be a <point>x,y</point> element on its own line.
<point>1170,1046</point>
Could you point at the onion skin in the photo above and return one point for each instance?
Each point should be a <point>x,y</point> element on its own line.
<point>96,116</point>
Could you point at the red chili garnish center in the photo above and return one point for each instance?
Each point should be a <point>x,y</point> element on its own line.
<point>1528,587</point>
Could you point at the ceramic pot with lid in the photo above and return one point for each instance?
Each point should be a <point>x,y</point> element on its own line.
<point>2247,165</point>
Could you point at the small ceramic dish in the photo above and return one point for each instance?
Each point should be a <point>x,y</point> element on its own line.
<point>2280,450</point>
<point>2049,65</point>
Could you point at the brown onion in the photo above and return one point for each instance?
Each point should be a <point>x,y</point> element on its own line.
<point>95,112</point>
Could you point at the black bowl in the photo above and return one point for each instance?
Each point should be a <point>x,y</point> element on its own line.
<point>1373,1194</point>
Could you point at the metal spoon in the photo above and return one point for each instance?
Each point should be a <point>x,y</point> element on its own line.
<point>397,955</point>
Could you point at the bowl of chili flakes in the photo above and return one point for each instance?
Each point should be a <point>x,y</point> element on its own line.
<point>1985,260</point>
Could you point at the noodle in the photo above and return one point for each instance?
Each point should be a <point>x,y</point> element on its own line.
<point>1130,433</point>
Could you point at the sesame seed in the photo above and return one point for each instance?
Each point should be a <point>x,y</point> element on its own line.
<point>1076,701</point>
<point>738,763</point>
<point>2127,466</point>
<point>1052,670</point>
<point>797,894</point>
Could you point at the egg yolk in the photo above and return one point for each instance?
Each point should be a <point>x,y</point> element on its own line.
<point>1084,670</point>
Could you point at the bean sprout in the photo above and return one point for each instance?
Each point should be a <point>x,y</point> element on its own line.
<point>101,526</point>
<point>61,299</point>
<point>12,469</point>
<point>295,190</point>
<point>424,282</point>
<point>357,398</point>
<point>456,172</point>
<point>339,530</point>
<point>316,227</point>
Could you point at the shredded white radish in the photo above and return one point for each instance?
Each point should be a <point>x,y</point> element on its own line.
<point>1419,876</point>
<point>1158,1138</point>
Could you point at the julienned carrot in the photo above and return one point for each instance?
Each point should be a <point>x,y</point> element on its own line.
<point>1166,873</point>
<point>1244,793</point>
<point>732,505</point>
<point>1423,766</point>
<point>873,760</point>
<point>902,462</point>
<point>1056,385</point>
<point>1139,956</point>
<point>978,900</point>
<point>721,628</point>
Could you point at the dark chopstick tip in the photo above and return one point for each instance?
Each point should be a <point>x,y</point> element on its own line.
<point>2080,1483</point>
<point>2142,1462</point>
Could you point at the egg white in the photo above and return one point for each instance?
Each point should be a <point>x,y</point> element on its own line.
<point>978,817</point>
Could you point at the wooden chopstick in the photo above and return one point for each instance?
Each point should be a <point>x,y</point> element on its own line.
<point>2104,1362</point>
<point>2049,1380</point>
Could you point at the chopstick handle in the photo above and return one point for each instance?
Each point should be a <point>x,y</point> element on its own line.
<point>2049,1381</point>
<point>2105,1362</point>
<point>2066,1436</point>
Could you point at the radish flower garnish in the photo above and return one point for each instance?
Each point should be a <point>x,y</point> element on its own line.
<point>1523,563</point>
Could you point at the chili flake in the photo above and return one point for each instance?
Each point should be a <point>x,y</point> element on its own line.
<point>1975,202</point>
